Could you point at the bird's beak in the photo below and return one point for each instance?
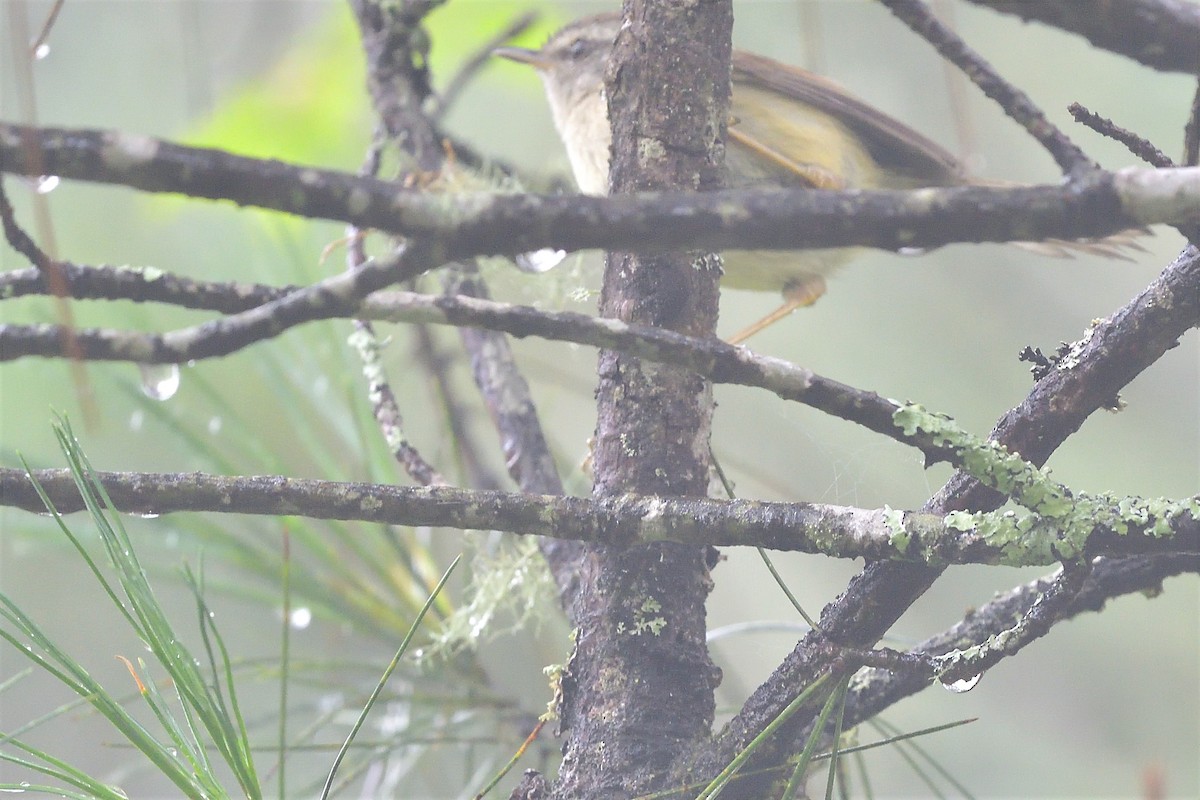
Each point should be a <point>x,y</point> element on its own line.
<point>521,55</point>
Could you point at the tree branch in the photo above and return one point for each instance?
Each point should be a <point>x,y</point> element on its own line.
<point>336,296</point>
<point>876,690</point>
<point>1096,367</point>
<point>1114,352</point>
<point>510,404</point>
<point>487,224</point>
<point>397,59</point>
<point>836,531</point>
<point>1163,34</point>
<point>141,285</point>
<point>1016,103</point>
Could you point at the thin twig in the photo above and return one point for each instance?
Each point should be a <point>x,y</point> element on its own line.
<point>336,296</point>
<point>143,285</point>
<point>1051,605</point>
<point>473,466</point>
<point>398,80</point>
<point>1138,145</point>
<point>1191,132</point>
<point>384,406</point>
<point>44,34</point>
<point>18,239</point>
<point>481,57</point>
<point>877,690</point>
<point>50,272</point>
<point>1016,104</point>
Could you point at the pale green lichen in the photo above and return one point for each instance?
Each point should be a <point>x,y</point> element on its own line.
<point>554,674</point>
<point>997,642</point>
<point>912,417</point>
<point>961,521</point>
<point>1027,539</point>
<point>1061,523</point>
<point>510,589</point>
<point>646,619</point>
<point>898,536</point>
<point>987,461</point>
<point>650,150</point>
<point>1019,539</point>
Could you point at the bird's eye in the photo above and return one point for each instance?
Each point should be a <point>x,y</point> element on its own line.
<point>576,49</point>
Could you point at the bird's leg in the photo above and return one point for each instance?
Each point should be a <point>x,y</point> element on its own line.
<point>812,175</point>
<point>797,294</point>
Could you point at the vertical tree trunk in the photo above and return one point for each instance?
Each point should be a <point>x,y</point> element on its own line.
<point>640,685</point>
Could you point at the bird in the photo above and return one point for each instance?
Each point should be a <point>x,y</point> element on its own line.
<point>788,128</point>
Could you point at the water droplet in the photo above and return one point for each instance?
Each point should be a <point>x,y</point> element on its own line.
<point>159,381</point>
<point>47,184</point>
<point>214,425</point>
<point>538,261</point>
<point>136,419</point>
<point>300,618</point>
<point>964,685</point>
<point>41,51</point>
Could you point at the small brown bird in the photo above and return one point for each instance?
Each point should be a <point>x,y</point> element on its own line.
<point>788,128</point>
